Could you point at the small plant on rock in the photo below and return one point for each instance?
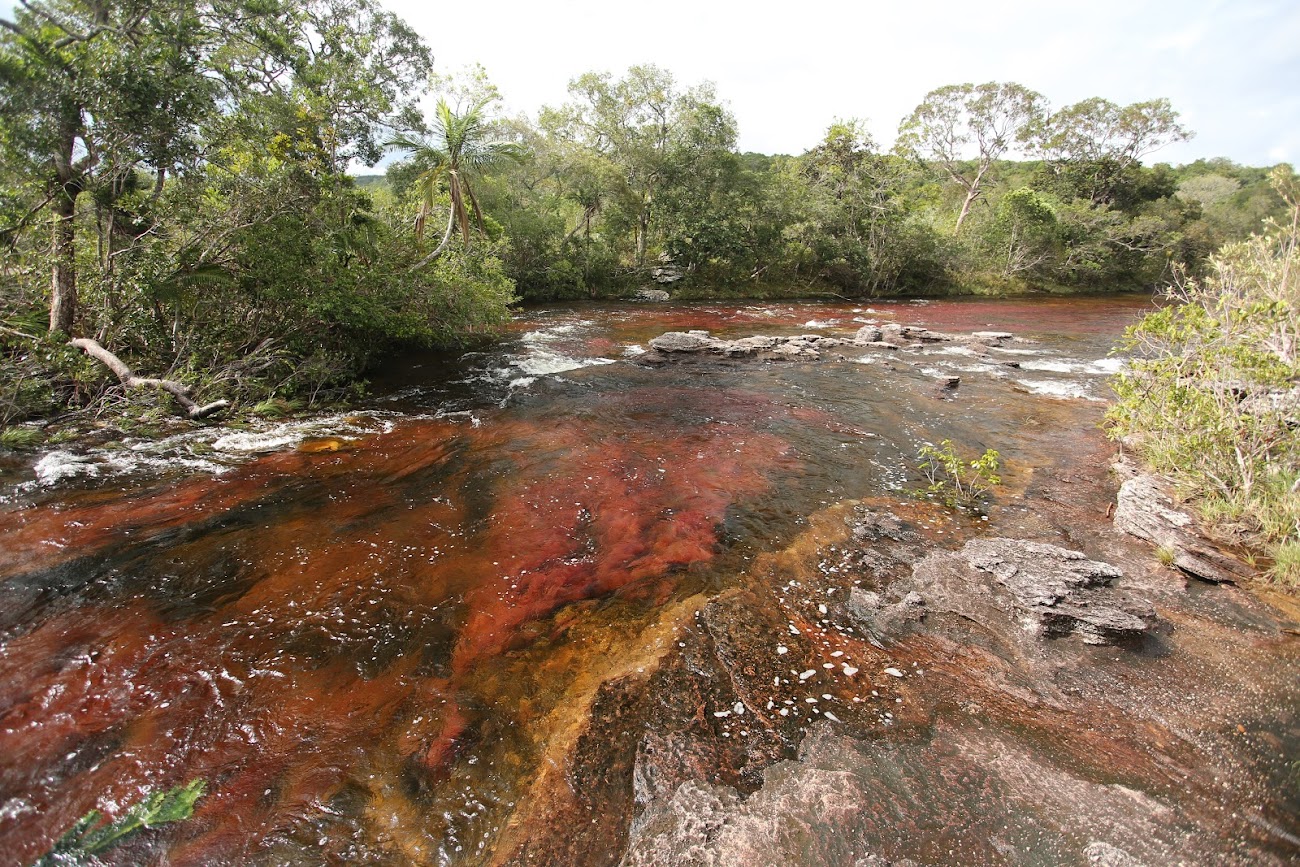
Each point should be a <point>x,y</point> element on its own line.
<point>954,481</point>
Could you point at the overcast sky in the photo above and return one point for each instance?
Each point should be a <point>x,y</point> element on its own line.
<point>788,69</point>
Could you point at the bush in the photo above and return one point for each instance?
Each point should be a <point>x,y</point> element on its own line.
<point>954,481</point>
<point>1213,390</point>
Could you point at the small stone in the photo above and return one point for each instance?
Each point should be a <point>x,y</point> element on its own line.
<point>893,672</point>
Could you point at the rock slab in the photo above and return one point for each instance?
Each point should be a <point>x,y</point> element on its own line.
<point>1145,509</point>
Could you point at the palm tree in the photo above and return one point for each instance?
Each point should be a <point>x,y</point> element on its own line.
<point>460,148</point>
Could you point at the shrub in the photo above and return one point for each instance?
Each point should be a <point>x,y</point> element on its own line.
<point>953,480</point>
<point>1213,389</point>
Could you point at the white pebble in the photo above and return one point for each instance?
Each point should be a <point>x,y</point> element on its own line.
<point>893,672</point>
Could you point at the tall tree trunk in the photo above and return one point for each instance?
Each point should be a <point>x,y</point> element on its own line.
<point>973,190</point>
<point>446,239</point>
<point>63,284</point>
<point>642,229</point>
<point>971,195</point>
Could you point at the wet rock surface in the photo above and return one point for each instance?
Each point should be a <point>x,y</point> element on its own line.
<point>868,697</point>
<point>676,345</point>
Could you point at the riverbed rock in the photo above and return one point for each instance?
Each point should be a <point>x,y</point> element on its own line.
<point>683,341</point>
<point>1145,508</point>
<point>792,350</point>
<point>975,795</point>
<point>1022,591</point>
<point>812,347</point>
<point>868,334</point>
<point>657,295</point>
<point>882,620</point>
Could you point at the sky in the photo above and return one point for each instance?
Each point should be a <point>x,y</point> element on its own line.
<point>789,69</point>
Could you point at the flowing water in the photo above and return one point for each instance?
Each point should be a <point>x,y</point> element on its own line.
<point>365,631</point>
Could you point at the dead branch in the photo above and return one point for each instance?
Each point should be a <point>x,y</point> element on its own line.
<point>130,380</point>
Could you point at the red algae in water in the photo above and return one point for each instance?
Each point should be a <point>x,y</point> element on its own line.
<point>314,672</point>
<point>624,508</point>
<point>313,627</point>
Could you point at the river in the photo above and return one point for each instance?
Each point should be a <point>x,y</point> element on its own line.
<point>383,636</point>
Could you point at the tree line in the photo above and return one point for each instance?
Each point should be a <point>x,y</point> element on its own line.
<point>175,188</point>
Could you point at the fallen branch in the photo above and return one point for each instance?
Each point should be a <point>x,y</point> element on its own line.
<point>130,380</point>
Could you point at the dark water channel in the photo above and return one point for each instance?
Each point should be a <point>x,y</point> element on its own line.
<point>366,631</point>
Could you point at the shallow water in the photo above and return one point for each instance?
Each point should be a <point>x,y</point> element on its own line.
<point>363,629</point>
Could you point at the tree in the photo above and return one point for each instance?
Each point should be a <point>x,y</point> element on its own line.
<point>1024,231</point>
<point>1095,142</point>
<point>850,209</point>
<point>460,149</point>
<point>97,96</point>
<point>960,123</point>
<point>637,125</point>
<point>89,92</point>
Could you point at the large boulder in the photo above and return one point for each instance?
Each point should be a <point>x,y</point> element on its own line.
<point>868,334</point>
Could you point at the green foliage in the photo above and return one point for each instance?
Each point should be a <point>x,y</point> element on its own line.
<point>21,438</point>
<point>87,838</point>
<point>178,173</point>
<point>954,481</point>
<point>1212,393</point>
